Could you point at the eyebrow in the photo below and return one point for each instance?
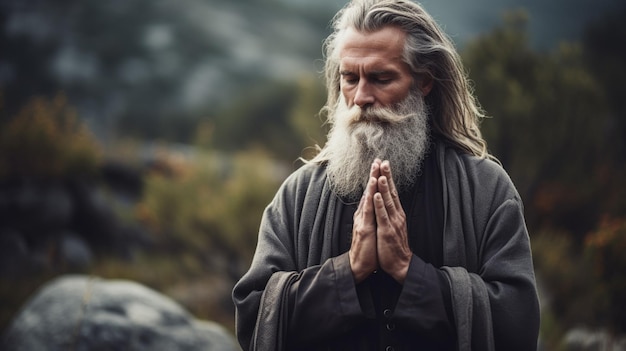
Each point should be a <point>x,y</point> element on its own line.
<point>376,73</point>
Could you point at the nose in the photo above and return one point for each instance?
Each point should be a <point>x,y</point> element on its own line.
<point>364,96</point>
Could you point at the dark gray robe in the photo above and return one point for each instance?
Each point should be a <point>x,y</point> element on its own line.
<point>487,259</point>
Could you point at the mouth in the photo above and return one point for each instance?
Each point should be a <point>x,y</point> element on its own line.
<point>371,120</point>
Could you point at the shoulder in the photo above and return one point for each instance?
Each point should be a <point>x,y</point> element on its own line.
<point>483,175</point>
<point>300,184</point>
<point>308,174</point>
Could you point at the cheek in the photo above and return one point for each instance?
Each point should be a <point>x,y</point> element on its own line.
<point>400,92</point>
<point>347,96</point>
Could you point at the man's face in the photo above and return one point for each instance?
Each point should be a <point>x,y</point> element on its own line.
<point>373,72</point>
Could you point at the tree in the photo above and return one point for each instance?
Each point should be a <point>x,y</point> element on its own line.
<point>548,125</point>
<point>606,58</point>
<point>279,117</point>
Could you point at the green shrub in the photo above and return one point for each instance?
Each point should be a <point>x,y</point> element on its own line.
<point>46,139</point>
<point>570,295</point>
<point>212,203</point>
<point>605,247</point>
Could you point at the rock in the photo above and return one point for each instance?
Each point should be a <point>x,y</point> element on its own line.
<point>94,218</point>
<point>13,252</point>
<point>37,209</point>
<point>78,312</point>
<point>56,207</point>
<point>582,339</point>
<point>74,251</point>
<point>123,178</point>
<point>585,340</point>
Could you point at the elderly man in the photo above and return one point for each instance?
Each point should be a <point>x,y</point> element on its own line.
<point>402,233</point>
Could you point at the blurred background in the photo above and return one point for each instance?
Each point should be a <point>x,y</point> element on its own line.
<point>142,139</point>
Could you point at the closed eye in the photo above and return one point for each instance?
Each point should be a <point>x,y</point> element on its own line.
<point>383,81</point>
<point>349,78</point>
<point>382,78</point>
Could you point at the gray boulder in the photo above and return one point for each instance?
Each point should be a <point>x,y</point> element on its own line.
<point>78,312</point>
<point>74,251</point>
<point>583,339</point>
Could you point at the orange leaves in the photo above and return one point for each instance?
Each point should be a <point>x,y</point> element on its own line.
<point>46,139</point>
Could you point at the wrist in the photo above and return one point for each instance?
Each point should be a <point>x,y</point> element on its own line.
<point>400,273</point>
<point>359,271</point>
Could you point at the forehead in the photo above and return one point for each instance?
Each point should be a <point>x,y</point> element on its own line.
<point>384,46</point>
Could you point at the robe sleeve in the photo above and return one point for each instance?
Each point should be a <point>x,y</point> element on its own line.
<point>277,301</point>
<point>424,301</point>
<point>496,308</point>
<point>488,258</point>
<point>304,308</point>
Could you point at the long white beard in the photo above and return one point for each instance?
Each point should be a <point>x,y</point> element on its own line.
<point>398,134</point>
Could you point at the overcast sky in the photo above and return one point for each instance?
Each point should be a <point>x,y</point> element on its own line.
<point>207,49</point>
<point>551,21</point>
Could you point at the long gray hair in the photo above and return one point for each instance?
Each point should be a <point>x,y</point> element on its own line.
<point>428,52</point>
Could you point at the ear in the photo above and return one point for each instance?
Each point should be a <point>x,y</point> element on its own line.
<point>425,84</point>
